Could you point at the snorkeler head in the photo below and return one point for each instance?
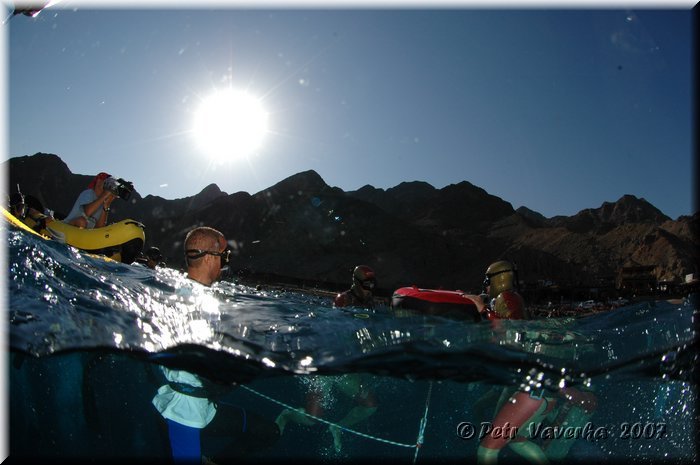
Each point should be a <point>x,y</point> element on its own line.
<point>363,277</point>
<point>500,277</point>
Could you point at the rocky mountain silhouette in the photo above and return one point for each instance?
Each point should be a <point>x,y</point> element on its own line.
<point>412,233</point>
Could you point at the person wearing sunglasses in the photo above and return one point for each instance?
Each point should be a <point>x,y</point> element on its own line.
<point>201,428</point>
<point>361,292</point>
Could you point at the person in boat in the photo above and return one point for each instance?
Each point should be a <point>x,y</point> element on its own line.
<point>29,210</point>
<point>360,293</point>
<point>17,206</point>
<point>195,418</point>
<point>92,206</point>
<point>516,409</point>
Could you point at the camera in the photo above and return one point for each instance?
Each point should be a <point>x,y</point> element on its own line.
<point>119,187</point>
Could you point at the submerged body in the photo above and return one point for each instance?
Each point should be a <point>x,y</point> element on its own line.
<point>518,409</point>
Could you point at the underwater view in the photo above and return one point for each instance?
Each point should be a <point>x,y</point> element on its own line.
<point>89,337</point>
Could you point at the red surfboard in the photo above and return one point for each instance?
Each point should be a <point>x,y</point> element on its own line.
<point>453,304</point>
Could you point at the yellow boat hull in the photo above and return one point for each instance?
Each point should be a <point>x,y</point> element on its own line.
<point>121,241</point>
<point>13,220</point>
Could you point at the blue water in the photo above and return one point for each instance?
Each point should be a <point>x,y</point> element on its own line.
<point>87,335</point>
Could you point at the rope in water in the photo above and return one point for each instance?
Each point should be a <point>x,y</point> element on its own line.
<point>423,423</point>
<point>358,433</point>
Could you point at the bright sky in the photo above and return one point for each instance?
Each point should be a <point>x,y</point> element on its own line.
<point>557,110</point>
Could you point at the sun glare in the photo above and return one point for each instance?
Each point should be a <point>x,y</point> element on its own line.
<point>230,124</point>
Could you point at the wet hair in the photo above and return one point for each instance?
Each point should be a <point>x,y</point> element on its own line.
<point>202,238</point>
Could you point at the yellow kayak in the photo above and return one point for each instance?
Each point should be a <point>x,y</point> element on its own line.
<point>122,241</point>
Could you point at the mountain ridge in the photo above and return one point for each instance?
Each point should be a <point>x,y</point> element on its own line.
<point>412,233</point>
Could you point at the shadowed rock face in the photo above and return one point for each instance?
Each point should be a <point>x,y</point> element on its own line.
<point>411,233</point>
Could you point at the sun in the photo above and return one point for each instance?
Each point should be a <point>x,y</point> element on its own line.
<point>230,124</point>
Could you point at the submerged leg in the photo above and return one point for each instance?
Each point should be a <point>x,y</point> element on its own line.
<point>513,418</point>
<point>294,416</point>
<point>355,415</point>
<point>236,434</point>
<point>185,443</point>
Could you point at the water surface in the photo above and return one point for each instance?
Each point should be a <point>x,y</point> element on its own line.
<point>87,335</point>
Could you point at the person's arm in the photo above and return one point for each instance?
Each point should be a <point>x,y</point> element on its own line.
<point>103,203</point>
<point>480,304</point>
<point>82,211</point>
<point>91,208</point>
